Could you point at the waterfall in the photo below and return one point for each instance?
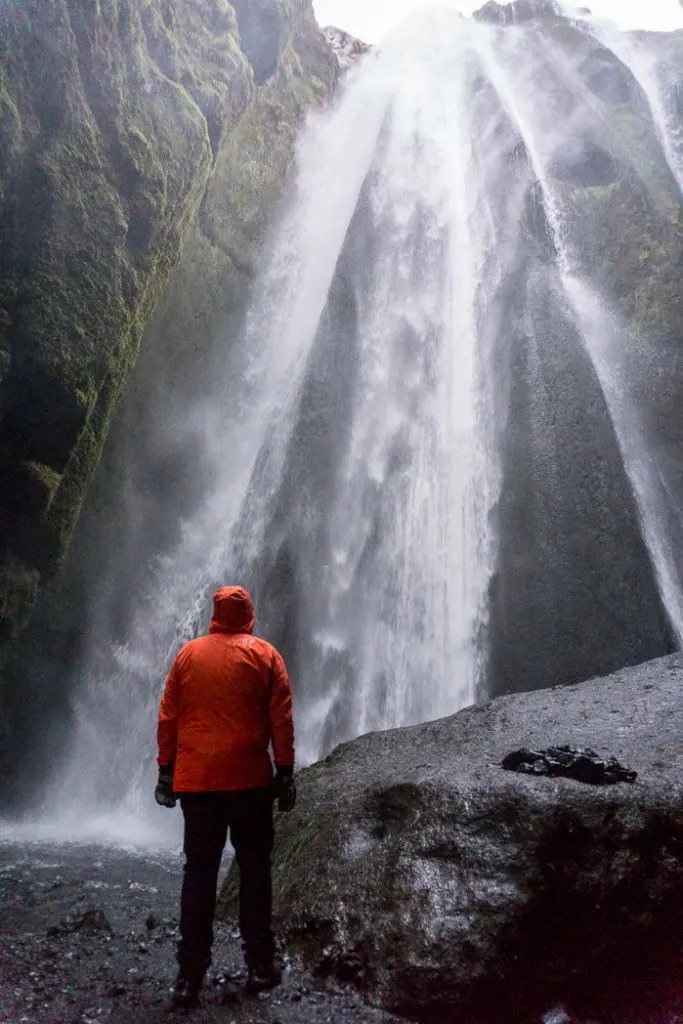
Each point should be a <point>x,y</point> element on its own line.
<point>382,444</point>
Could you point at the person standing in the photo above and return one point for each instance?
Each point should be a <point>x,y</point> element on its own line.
<point>227,699</point>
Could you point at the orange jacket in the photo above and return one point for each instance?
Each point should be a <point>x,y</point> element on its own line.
<point>227,697</point>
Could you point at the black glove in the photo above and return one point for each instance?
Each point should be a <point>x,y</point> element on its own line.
<point>284,788</point>
<point>163,794</point>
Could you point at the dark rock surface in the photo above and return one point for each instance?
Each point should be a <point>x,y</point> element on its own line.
<point>77,975</point>
<point>111,119</point>
<point>451,889</point>
<point>574,594</point>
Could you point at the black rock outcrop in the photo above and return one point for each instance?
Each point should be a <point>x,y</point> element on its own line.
<point>450,889</point>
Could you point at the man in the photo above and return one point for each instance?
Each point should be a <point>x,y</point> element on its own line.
<point>227,698</point>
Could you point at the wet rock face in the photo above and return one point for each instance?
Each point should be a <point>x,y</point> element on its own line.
<point>452,889</point>
<point>81,920</point>
<point>113,119</point>
<point>347,49</point>
<point>103,161</point>
<point>263,27</point>
<point>584,164</point>
<point>612,83</point>
<point>574,593</point>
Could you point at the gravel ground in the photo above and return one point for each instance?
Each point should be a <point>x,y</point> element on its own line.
<point>118,964</point>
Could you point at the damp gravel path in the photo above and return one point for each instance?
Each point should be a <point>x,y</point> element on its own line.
<point>118,965</point>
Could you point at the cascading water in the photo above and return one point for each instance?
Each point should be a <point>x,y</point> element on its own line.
<point>365,459</point>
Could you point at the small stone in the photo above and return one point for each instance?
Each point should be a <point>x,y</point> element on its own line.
<point>115,990</point>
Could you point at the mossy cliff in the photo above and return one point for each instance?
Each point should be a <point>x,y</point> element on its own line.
<point>119,124</point>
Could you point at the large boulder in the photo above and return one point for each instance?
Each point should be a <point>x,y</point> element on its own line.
<point>452,890</point>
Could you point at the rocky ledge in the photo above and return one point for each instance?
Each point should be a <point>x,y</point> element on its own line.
<point>449,889</point>
<point>517,11</point>
<point>347,49</point>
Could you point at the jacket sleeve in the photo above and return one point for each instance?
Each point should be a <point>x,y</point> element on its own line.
<point>167,732</point>
<point>281,718</point>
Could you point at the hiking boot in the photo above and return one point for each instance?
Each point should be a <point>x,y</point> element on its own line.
<point>186,992</point>
<point>262,977</point>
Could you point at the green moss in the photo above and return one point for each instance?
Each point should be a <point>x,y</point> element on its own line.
<point>5,358</point>
<point>45,476</point>
<point>297,836</point>
<point>19,585</point>
<point>62,514</point>
<point>633,140</point>
<point>627,233</point>
<point>10,119</point>
<point>634,249</point>
<point>212,284</point>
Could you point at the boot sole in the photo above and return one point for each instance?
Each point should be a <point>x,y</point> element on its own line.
<point>255,988</point>
<point>184,1002</point>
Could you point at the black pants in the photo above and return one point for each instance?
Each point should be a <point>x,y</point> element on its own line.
<point>248,813</point>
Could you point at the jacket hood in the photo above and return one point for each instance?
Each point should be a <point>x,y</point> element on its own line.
<point>233,611</point>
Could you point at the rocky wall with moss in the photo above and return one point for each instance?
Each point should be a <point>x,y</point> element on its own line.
<point>143,147</point>
<point>114,120</point>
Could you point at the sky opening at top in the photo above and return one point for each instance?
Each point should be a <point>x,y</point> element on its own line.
<point>370,20</point>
